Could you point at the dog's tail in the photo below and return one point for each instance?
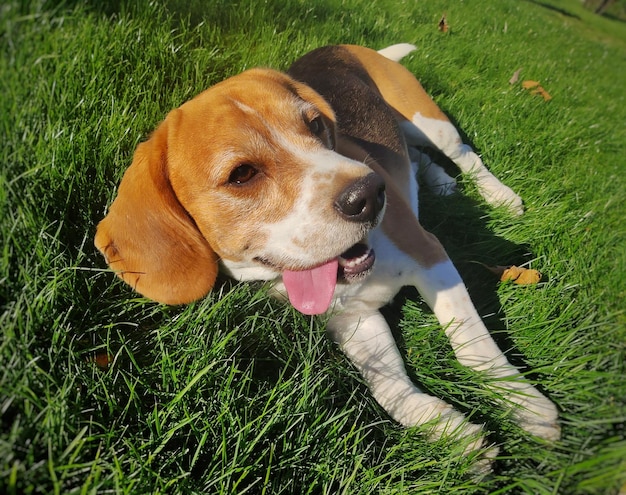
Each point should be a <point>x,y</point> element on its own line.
<point>397,52</point>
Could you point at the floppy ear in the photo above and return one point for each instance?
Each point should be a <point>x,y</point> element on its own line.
<point>148,238</point>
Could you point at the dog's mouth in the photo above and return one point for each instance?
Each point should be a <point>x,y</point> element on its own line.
<point>311,291</point>
<point>355,263</point>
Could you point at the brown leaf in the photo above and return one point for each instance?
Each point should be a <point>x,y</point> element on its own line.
<point>540,91</point>
<point>530,84</point>
<point>516,274</point>
<point>536,89</point>
<point>101,359</point>
<point>443,24</point>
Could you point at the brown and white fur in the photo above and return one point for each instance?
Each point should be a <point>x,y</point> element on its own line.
<point>308,179</point>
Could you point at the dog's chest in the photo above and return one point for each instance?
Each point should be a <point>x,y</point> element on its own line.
<point>391,270</point>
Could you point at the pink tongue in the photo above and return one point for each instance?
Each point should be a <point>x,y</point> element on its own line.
<point>310,291</point>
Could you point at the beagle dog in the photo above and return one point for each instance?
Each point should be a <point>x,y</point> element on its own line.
<point>307,179</point>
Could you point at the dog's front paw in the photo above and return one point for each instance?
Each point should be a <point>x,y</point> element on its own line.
<point>468,437</point>
<point>538,416</point>
<point>549,431</point>
<point>533,412</point>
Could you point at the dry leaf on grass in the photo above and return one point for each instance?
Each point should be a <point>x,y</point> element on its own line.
<point>101,359</point>
<point>516,274</point>
<point>540,91</point>
<point>536,89</point>
<point>443,24</point>
<point>528,84</point>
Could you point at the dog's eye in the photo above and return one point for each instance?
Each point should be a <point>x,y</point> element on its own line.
<point>242,174</point>
<point>317,126</point>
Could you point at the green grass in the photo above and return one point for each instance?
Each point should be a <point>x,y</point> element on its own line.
<point>237,393</point>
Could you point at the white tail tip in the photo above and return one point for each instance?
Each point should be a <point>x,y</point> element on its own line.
<point>397,52</point>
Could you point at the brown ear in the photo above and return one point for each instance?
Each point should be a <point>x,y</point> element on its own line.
<point>148,238</point>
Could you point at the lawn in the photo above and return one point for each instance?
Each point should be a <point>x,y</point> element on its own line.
<point>102,391</point>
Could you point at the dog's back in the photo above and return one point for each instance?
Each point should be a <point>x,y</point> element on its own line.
<point>363,116</point>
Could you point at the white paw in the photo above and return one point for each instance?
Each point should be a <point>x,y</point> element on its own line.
<point>538,416</point>
<point>532,411</point>
<point>549,431</point>
<point>497,194</point>
<point>452,425</point>
<point>483,465</point>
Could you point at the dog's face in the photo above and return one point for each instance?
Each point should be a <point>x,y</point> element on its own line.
<point>245,172</point>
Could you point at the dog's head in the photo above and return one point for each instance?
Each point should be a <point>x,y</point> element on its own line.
<point>245,172</point>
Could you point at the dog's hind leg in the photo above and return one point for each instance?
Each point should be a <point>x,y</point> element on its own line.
<point>440,134</point>
<point>433,175</point>
<point>425,125</point>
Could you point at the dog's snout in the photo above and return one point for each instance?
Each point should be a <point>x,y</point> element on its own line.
<point>362,200</point>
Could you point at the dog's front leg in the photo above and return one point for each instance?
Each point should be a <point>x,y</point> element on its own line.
<point>444,291</point>
<point>366,339</point>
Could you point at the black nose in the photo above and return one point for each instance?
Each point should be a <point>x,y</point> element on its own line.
<point>362,200</point>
